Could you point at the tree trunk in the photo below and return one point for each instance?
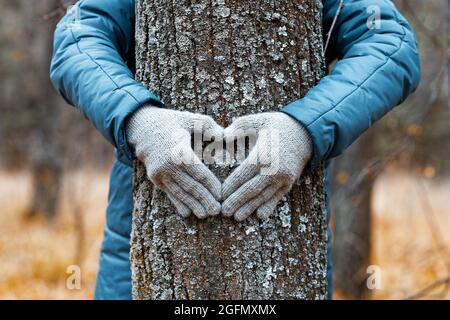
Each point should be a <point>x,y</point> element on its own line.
<point>47,180</point>
<point>228,59</point>
<point>30,107</point>
<point>351,203</point>
<point>46,145</point>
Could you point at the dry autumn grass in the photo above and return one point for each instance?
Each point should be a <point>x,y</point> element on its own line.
<point>411,242</point>
<point>34,256</point>
<point>411,238</point>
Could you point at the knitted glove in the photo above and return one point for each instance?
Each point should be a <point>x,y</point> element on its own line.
<point>282,150</point>
<point>162,139</point>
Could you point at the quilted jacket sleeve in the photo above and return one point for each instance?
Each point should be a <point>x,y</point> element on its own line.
<point>377,69</point>
<point>89,69</point>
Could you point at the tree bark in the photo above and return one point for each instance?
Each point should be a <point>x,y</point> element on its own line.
<point>228,59</point>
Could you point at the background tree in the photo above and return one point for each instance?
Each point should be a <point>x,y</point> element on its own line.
<point>30,53</point>
<point>227,61</point>
<point>37,130</point>
<point>351,194</point>
<point>414,137</point>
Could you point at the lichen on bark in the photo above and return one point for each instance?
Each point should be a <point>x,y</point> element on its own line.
<point>227,59</point>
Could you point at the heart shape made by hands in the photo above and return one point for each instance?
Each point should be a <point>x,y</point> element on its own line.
<point>279,148</point>
<point>271,150</point>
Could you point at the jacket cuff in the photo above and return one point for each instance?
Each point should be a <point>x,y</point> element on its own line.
<point>299,112</point>
<point>137,97</point>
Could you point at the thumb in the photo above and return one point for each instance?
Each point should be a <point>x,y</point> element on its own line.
<point>242,128</point>
<point>203,124</point>
<point>241,137</point>
<point>245,126</point>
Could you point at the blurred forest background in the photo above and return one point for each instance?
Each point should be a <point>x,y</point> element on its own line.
<point>391,213</point>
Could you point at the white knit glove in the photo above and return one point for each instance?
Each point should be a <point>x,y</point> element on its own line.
<point>282,150</point>
<point>162,139</point>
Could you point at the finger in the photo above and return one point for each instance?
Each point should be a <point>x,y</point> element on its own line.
<point>248,169</point>
<point>249,207</point>
<point>268,208</point>
<point>200,172</point>
<point>245,123</point>
<point>211,127</point>
<point>187,199</point>
<point>245,193</point>
<point>181,208</point>
<point>199,192</point>
<point>241,129</point>
<point>206,129</point>
<point>201,123</point>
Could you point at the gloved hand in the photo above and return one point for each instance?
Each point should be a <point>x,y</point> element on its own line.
<point>162,139</point>
<point>282,150</point>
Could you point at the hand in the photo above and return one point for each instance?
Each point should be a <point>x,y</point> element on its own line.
<point>162,139</point>
<point>282,150</point>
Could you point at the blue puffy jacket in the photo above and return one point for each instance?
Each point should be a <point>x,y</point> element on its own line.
<point>92,68</point>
